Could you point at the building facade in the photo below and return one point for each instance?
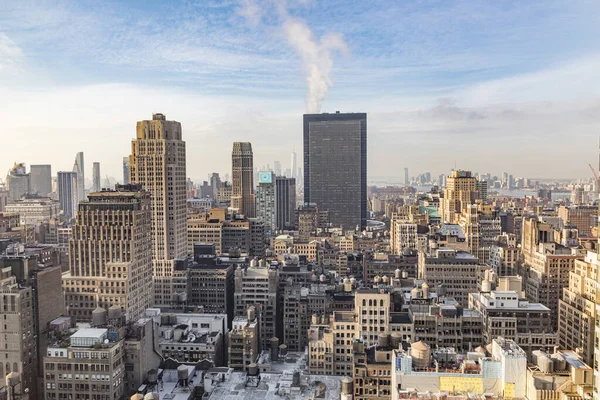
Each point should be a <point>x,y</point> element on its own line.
<point>157,162</point>
<point>67,193</point>
<point>41,180</point>
<point>335,166</point>
<point>110,256</point>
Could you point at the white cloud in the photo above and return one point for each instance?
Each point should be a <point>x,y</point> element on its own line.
<point>11,55</point>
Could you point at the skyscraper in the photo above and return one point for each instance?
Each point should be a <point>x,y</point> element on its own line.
<point>277,168</point>
<point>111,254</point>
<point>215,184</point>
<point>125,170</point>
<point>406,178</point>
<point>96,177</point>
<point>157,162</point>
<point>242,173</point>
<point>285,200</point>
<point>41,179</point>
<point>335,166</point>
<point>67,193</point>
<point>80,169</point>
<point>293,165</point>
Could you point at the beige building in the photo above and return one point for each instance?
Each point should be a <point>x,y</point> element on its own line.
<point>481,227</point>
<point>461,190</point>
<point>157,162</point>
<point>85,365</point>
<point>547,271</point>
<point>243,340</point>
<point>372,371</point>
<point>505,255</point>
<point>110,258</point>
<point>372,309</point>
<point>577,308</point>
<point>403,235</point>
<point>226,232</point>
<point>242,179</point>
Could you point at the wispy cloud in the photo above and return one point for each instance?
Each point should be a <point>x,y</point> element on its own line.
<point>11,55</point>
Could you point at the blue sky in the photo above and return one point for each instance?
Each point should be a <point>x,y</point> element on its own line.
<point>493,85</point>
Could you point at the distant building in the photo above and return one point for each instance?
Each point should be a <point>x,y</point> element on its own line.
<point>96,185</point>
<point>335,167</point>
<point>461,190</point>
<point>244,340</point>
<point>125,170</point>
<point>41,180</point>
<point>67,194</point>
<point>285,198</point>
<point>18,182</point>
<point>583,217</point>
<point>79,169</point>
<point>34,211</point>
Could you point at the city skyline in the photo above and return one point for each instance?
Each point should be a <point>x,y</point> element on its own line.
<point>511,81</point>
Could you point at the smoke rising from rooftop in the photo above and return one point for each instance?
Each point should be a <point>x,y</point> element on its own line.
<point>317,54</point>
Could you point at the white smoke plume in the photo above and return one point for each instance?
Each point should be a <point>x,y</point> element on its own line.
<point>317,54</point>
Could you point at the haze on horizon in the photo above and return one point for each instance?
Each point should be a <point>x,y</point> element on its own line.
<point>491,86</point>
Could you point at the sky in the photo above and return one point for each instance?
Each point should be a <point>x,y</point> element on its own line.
<point>488,86</point>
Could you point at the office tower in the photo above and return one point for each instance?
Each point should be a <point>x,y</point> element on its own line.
<point>215,184</point>
<point>406,178</point>
<point>18,182</point>
<point>482,187</point>
<point>41,179</point>
<point>4,196</point>
<point>293,165</point>
<point>277,168</point>
<point>126,170</point>
<point>285,199</point>
<point>335,166</point>
<point>79,168</point>
<point>242,196</point>
<point>97,186</point>
<point>461,190</point>
<point>110,254</point>
<point>441,181</point>
<point>481,226</point>
<point>67,193</point>
<point>577,308</point>
<point>266,201</point>
<point>157,162</point>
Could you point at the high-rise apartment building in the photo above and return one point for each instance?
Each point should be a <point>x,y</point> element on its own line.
<point>67,193</point>
<point>266,206</point>
<point>157,162</point>
<point>79,168</point>
<point>41,179</point>
<point>125,170</point>
<point>110,254</point>
<point>335,166</point>
<point>96,185</point>
<point>461,190</point>
<point>242,179</point>
<point>18,182</point>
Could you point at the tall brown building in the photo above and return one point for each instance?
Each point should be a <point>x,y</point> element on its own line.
<point>461,190</point>
<point>242,196</point>
<point>157,162</point>
<point>110,258</point>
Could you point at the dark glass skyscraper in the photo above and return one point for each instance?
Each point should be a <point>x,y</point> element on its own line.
<point>335,166</point>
